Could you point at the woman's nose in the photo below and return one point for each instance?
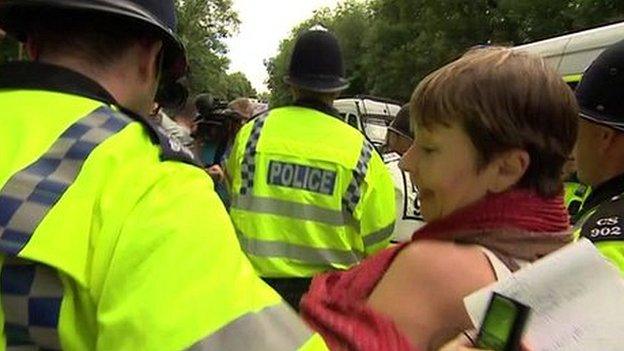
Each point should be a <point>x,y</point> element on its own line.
<point>408,160</point>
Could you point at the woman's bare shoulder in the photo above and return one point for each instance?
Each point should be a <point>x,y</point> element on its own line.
<point>432,258</point>
<point>423,289</point>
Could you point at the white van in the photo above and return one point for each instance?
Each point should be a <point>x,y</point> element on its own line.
<point>370,115</point>
<point>571,54</point>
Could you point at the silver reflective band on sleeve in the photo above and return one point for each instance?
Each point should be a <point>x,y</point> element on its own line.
<point>274,328</point>
<point>290,209</point>
<point>354,191</point>
<point>29,195</point>
<point>379,236</point>
<point>310,255</point>
<point>248,166</point>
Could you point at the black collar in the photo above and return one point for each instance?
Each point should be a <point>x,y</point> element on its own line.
<point>602,193</point>
<point>319,106</point>
<point>43,76</point>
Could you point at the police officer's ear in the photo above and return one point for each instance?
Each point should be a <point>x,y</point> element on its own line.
<point>507,169</point>
<point>148,57</point>
<point>31,49</point>
<point>608,138</point>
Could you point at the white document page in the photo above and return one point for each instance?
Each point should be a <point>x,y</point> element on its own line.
<point>576,299</point>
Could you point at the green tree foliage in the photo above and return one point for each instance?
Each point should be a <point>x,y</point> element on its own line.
<point>264,96</point>
<point>390,45</point>
<point>203,26</point>
<point>597,11</point>
<point>239,86</point>
<point>277,67</point>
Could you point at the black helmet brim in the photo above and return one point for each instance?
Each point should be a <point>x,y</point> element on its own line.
<point>318,84</point>
<point>602,119</point>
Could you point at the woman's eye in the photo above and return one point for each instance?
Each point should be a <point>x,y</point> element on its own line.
<point>426,149</point>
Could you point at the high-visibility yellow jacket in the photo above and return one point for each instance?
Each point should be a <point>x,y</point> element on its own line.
<point>604,226</point>
<point>105,245</point>
<point>601,220</point>
<point>309,193</point>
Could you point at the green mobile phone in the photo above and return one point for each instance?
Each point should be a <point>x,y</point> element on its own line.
<point>503,324</point>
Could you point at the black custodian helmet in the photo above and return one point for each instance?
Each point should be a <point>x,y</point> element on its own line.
<point>317,63</point>
<point>601,91</point>
<point>157,15</point>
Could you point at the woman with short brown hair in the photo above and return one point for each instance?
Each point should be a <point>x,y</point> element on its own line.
<point>493,130</point>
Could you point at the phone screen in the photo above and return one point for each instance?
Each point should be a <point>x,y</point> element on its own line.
<point>498,324</point>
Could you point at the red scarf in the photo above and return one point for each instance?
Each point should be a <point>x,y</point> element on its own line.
<point>518,224</point>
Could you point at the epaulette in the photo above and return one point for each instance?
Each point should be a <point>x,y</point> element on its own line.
<point>171,149</point>
<point>607,222</point>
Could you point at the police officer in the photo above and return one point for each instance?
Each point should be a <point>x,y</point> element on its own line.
<point>600,153</point>
<point>110,237</point>
<point>398,141</point>
<point>309,192</point>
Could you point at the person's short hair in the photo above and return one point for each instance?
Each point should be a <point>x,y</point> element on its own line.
<point>504,100</point>
<point>99,39</point>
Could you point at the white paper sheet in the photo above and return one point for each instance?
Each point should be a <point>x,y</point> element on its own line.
<point>576,299</point>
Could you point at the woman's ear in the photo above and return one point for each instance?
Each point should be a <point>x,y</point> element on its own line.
<point>507,170</point>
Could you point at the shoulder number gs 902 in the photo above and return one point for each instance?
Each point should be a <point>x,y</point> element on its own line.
<point>606,227</point>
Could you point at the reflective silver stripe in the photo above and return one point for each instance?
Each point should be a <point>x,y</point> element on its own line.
<point>274,328</point>
<point>379,236</point>
<point>290,209</point>
<point>354,191</point>
<point>248,166</point>
<point>30,194</point>
<point>310,255</point>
